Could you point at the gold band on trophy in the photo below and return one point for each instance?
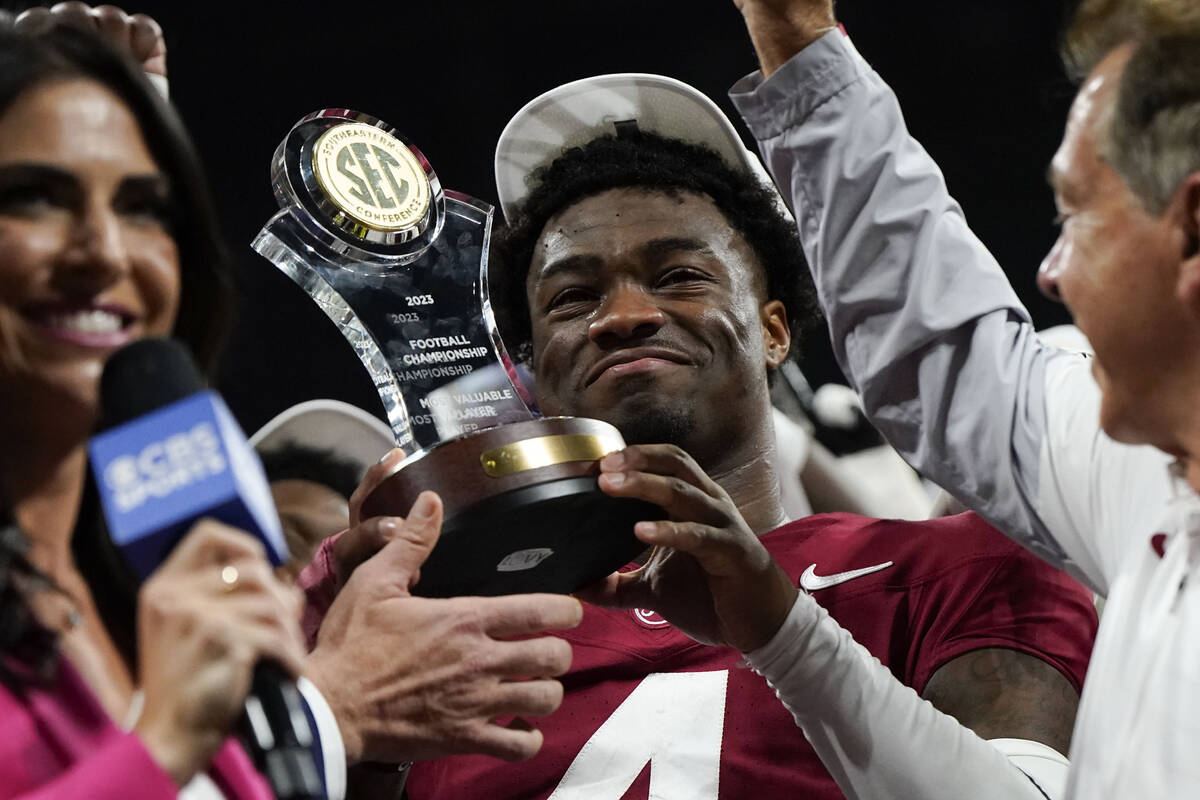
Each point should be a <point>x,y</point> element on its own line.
<point>371,177</point>
<point>546,451</point>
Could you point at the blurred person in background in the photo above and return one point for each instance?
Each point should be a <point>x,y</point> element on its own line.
<point>315,454</point>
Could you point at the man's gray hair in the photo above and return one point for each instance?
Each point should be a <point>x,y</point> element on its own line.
<point>1095,27</point>
<point>1154,138</point>
<point>1154,141</point>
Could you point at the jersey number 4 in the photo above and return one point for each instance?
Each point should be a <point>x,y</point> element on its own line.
<point>674,722</point>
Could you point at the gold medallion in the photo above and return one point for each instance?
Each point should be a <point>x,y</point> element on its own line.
<point>371,177</point>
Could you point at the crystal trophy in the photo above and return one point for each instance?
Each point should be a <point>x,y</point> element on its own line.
<point>400,266</point>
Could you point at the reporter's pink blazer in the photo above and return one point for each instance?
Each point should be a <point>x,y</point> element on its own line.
<point>57,743</point>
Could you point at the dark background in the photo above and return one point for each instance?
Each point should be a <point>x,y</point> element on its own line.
<point>979,81</point>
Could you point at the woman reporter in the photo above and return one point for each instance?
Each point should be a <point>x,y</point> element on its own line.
<point>107,236</point>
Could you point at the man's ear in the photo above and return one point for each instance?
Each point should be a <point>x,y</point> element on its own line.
<point>1187,287</point>
<point>777,336</point>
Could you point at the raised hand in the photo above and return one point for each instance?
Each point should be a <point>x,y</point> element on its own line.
<point>412,678</point>
<point>205,618</point>
<point>709,575</point>
<point>138,34</point>
<point>781,28</point>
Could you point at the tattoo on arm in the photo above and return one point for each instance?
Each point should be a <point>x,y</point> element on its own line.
<point>1006,694</point>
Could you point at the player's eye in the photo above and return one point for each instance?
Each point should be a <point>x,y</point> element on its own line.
<point>683,276</point>
<point>570,297</point>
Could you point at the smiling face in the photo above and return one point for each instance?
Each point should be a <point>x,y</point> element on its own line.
<point>87,262</point>
<point>1115,265</point>
<point>647,311</point>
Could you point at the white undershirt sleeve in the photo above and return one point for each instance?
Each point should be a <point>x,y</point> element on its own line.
<point>878,737</point>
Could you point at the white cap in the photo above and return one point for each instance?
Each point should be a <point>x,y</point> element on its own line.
<point>575,113</point>
<point>347,431</point>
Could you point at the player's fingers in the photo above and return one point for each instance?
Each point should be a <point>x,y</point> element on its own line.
<point>522,614</point>
<point>678,497</point>
<point>361,542</point>
<point>718,551</point>
<point>686,537</point>
<point>406,543</point>
<point>374,476</point>
<point>661,459</point>
<point>618,590</point>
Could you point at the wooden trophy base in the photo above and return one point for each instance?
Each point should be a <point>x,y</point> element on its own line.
<point>523,510</point>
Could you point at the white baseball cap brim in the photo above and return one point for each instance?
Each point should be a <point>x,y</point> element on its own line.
<point>573,114</point>
<point>350,433</point>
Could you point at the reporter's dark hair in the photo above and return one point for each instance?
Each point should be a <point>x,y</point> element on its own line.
<point>28,650</point>
<point>59,51</point>
<point>648,161</point>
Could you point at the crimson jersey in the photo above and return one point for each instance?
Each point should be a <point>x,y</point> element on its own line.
<point>648,712</point>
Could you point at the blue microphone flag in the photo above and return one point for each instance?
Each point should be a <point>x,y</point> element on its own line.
<point>160,472</point>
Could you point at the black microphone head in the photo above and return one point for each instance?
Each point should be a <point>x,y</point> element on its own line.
<point>145,376</point>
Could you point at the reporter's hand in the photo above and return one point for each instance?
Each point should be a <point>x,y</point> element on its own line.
<point>205,618</point>
<point>412,678</point>
<point>709,575</point>
<point>138,34</point>
<point>781,28</point>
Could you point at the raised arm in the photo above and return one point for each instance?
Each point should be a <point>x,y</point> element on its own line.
<point>922,318</point>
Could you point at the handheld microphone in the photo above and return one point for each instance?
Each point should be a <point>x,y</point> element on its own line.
<point>169,453</point>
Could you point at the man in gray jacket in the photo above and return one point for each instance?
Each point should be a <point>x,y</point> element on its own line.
<point>1042,442</point>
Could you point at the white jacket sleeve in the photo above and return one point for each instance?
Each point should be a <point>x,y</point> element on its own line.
<point>928,329</point>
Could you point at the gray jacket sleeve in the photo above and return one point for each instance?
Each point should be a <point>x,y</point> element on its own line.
<point>925,323</point>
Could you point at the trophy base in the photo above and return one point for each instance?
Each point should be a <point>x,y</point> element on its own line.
<point>551,537</point>
<point>523,510</point>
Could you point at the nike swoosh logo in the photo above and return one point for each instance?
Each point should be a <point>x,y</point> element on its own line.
<point>810,581</point>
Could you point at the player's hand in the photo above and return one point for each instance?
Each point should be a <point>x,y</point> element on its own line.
<point>781,28</point>
<point>205,618</point>
<point>411,678</point>
<point>709,575</point>
<point>365,538</point>
<point>137,34</point>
